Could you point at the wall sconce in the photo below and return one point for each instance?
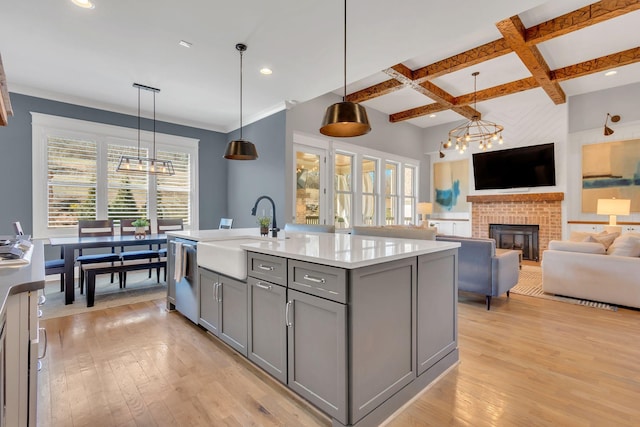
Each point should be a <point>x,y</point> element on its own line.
<point>613,207</point>
<point>441,153</point>
<point>614,119</point>
<point>424,209</point>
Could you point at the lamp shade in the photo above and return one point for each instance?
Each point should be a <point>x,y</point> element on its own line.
<point>614,207</point>
<point>425,208</point>
<point>345,119</point>
<point>241,149</point>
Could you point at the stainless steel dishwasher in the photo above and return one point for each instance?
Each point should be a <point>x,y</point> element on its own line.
<point>187,286</point>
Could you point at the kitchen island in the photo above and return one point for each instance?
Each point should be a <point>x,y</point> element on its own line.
<point>356,325</point>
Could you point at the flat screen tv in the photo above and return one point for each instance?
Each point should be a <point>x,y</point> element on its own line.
<point>532,166</point>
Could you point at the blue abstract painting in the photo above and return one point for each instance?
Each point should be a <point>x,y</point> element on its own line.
<point>611,169</point>
<point>451,186</point>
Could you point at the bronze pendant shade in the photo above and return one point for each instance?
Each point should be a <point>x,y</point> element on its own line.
<point>241,149</point>
<point>345,119</point>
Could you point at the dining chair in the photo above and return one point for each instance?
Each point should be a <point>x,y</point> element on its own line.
<point>96,228</point>
<point>128,229</point>
<point>225,223</point>
<point>162,226</point>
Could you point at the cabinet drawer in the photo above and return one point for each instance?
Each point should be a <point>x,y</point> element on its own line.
<point>267,267</point>
<point>321,280</point>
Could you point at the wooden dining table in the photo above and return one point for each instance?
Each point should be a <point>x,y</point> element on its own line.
<point>71,244</point>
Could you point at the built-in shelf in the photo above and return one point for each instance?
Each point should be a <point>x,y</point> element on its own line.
<point>604,222</point>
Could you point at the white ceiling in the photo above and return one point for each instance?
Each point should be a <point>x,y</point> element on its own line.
<point>56,50</point>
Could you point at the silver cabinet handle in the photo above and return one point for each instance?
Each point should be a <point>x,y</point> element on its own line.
<point>42,299</point>
<point>219,293</point>
<point>39,313</point>
<point>215,291</point>
<point>261,286</point>
<point>46,342</point>
<point>314,279</point>
<point>286,314</point>
<point>265,267</point>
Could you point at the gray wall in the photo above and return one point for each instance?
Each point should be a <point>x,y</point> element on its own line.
<point>15,158</point>
<point>402,139</point>
<point>248,180</point>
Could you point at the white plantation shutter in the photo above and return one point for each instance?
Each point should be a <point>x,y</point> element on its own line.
<point>71,181</point>
<point>173,192</point>
<point>127,192</point>
<point>74,175</point>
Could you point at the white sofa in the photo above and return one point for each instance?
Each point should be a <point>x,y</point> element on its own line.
<point>589,270</point>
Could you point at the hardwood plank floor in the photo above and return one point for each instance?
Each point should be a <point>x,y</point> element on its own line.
<point>527,362</point>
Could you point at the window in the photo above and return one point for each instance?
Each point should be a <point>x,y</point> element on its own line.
<point>74,166</point>
<point>343,190</point>
<point>409,203</point>
<point>369,193</point>
<point>391,207</point>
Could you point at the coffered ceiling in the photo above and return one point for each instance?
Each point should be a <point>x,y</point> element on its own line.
<point>424,51</point>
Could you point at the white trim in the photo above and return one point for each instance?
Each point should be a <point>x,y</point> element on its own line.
<point>45,126</point>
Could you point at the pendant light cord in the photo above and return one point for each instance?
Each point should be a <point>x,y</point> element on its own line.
<point>154,125</point>
<point>240,95</point>
<point>344,97</point>
<point>138,123</point>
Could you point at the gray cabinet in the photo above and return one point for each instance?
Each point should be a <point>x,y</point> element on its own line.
<point>317,362</point>
<point>382,333</point>
<point>267,341</point>
<point>224,302</point>
<point>437,296</point>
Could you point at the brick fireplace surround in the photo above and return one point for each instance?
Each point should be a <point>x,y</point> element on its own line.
<point>542,209</point>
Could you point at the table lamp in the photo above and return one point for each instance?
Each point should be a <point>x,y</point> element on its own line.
<point>424,209</point>
<point>613,207</point>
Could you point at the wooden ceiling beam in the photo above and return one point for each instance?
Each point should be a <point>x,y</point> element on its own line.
<point>401,73</point>
<point>578,19</point>
<point>627,57</point>
<point>414,113</point>
<point>384,88</point>
<point>513,31</point>
<point>462,60</point>
<point>498,91</point>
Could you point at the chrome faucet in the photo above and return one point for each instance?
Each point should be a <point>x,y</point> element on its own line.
<point>274,226</point>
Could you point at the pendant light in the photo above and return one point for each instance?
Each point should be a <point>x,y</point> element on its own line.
<point>241,149</point>
<point>345,119</point>
<point>146,165</point>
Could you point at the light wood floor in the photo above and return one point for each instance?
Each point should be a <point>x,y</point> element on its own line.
<point>527,362</point>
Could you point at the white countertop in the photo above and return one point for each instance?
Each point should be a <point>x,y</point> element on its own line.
<point>345,250</point>
<point>210,235</point>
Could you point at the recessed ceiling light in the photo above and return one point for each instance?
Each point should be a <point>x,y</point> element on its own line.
<point>86,4</point>
<point>266,71</point>
<point>184,43</point>
<point>432,115</point>
<point>611,73</point>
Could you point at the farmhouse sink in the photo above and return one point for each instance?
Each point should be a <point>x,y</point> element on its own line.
<point>225,256</point>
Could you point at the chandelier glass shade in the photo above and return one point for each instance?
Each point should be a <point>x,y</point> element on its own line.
<point>146,165</point>
<point>476,131</point>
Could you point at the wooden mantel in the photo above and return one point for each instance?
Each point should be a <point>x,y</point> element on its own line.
<point>519,197</point>
<point>5,103</point>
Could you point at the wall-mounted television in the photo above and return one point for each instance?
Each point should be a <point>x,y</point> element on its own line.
<point>532,166</point>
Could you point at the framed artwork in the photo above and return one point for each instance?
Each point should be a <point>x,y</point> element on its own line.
<point>611,169</point>
<point>451,186</point>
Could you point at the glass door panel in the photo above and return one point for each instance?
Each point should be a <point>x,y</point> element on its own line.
<point>343,190</point>
<point>309,186</point>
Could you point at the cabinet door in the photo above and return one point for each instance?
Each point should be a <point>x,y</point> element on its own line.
<point>317,352</point>
<point>267,342</point>
<point>436,312</point>
<point>232,300</point>
<point>209,310</point>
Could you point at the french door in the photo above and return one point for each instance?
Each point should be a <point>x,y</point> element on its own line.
<point>310,185</point>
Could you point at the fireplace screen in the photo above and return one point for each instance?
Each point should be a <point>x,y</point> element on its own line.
<point>520,237</point>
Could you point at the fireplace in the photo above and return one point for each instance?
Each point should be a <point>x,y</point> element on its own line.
<point>520,237</point>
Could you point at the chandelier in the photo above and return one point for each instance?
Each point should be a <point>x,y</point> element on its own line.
<point>475,131</point>
<point>144,165</point>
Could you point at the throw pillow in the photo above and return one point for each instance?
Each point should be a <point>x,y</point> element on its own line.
<point>625,245</point>
<point>582,247</point>
<point>580,236</point>
<point>605,239</point>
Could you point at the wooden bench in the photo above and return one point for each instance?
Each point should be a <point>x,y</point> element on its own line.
<point>91,270</point>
